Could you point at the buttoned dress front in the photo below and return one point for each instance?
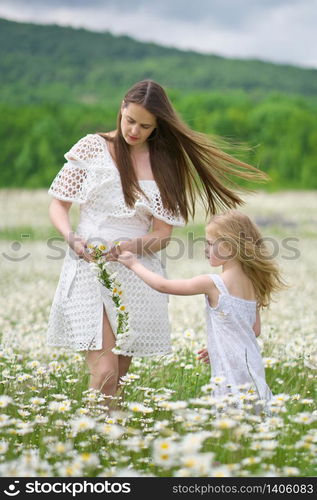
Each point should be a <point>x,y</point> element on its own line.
<point>91,178</point>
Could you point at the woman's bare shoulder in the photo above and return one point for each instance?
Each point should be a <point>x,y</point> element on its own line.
<point>109,135</point>
<point>108,138</point>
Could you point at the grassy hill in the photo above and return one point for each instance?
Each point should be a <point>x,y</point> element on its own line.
<point>58,84</point>
<point>61,64</point>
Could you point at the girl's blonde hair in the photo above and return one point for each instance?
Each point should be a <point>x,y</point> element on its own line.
<point>237,231</point>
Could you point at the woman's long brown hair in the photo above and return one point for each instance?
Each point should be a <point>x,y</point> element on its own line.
<point>184,162</point>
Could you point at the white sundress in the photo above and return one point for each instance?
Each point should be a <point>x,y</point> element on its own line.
<point>91,179</point>
<point>233,350</point>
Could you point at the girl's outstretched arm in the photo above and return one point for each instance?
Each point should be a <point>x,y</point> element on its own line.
<point>192,286</point>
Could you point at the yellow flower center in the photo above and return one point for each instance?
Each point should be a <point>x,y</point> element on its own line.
<point>164,446</point>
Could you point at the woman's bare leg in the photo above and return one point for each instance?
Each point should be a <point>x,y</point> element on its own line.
<point>103,364</point>
<point>124,364</point>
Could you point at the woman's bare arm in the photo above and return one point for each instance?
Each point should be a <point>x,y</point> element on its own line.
<point>59,216</point>
<point>152,242</point>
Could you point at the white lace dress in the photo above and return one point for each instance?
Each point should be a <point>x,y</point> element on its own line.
<point>232,346</point>
<point>91,179</point>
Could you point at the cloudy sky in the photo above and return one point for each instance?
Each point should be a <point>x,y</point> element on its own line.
<point>281,31</point>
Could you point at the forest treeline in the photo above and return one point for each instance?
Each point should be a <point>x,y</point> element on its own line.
<point>62,64</point>
<point>59,83</point>
<point>280,130</point>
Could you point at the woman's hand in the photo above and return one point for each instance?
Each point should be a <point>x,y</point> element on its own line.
<point>127,259</point>
<point>80,247</point>
<point>203,356</point>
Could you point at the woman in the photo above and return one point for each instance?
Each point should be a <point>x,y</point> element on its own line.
<point>134,184</point>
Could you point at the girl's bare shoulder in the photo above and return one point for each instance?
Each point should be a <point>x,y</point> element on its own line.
<point>212,291</point>
<point>239,285</point>
<point>209,283</point>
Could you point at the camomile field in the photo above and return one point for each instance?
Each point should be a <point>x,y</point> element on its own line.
<point>166,422</point>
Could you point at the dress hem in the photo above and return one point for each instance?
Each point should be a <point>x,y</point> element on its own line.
<point>121,353</point>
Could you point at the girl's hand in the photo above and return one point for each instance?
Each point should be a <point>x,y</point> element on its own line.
<point>113,253</point>
<point>127,259</point>
<point>115,250</point>
<point>203,356</point>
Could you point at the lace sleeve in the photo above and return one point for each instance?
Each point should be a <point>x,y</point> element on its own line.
<point>72,183</point>
<point>155,205</point>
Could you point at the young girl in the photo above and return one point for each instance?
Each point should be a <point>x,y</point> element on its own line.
<point>233,300</point>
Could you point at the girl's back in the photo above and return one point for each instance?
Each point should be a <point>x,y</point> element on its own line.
<point>233,349</point>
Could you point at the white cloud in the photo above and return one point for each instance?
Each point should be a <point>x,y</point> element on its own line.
<point>280,31</point>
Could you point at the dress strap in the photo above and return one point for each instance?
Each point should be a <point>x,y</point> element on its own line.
<point>218,281</point>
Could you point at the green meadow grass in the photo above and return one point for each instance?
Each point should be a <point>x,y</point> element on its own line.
<point>230,446</point>
<point>51,424</point>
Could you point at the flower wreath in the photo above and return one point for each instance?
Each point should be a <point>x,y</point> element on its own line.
<point>108,280</point>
